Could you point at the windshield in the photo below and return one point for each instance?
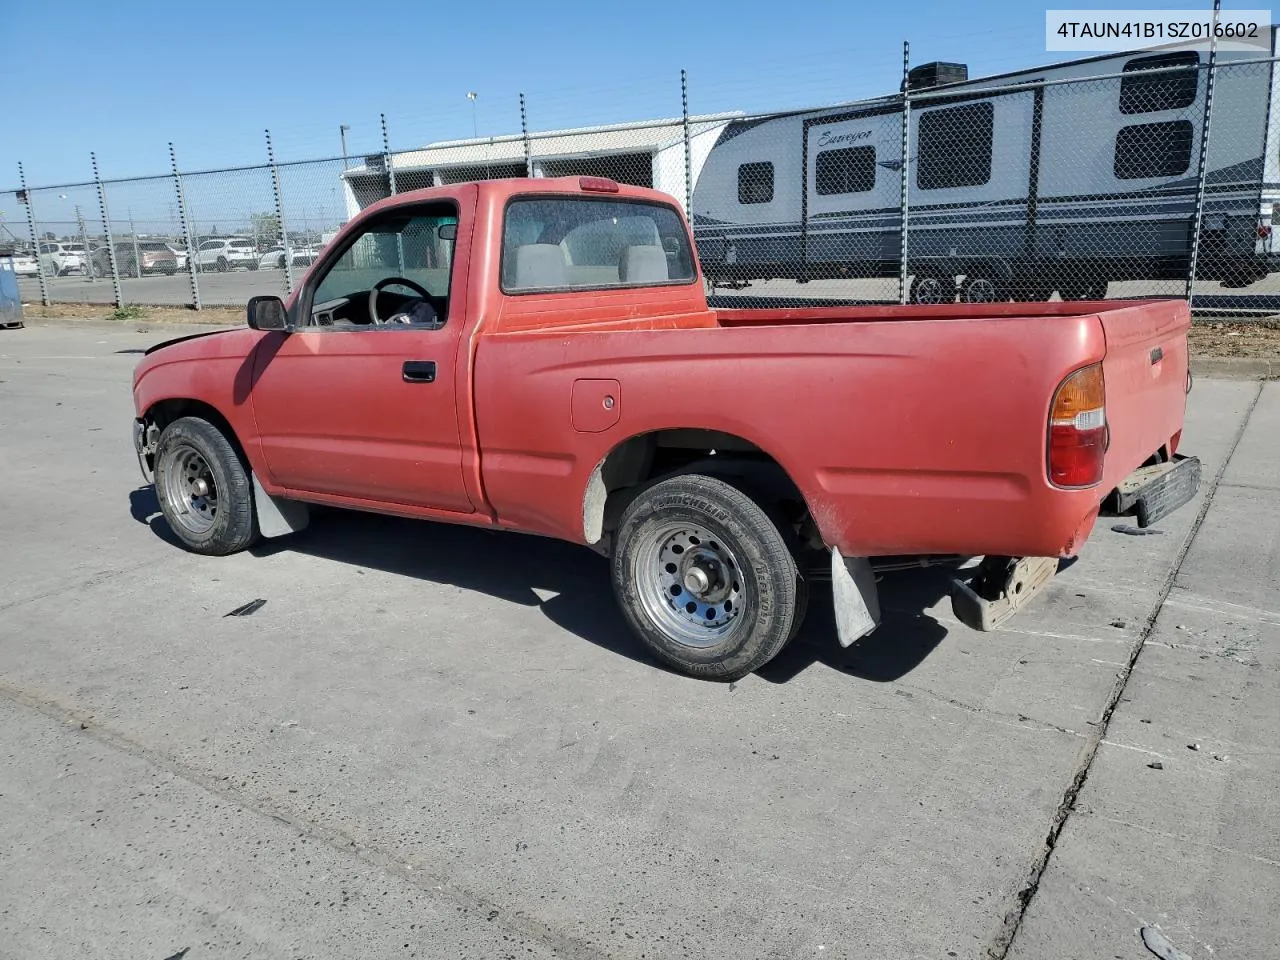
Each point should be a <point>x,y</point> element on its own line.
<point>410,247</point>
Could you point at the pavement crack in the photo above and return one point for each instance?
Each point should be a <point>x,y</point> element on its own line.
<point>1012,922</point>
<point>433,885</point>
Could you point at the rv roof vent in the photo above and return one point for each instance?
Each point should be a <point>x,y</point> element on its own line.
<point>935,74</point>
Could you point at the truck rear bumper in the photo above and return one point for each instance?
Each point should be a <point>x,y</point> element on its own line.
<point>1152,493</point>
<point>1004,585</point>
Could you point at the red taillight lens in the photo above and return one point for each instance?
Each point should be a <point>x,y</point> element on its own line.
<point>1078,429</point>
<point>598,184</point>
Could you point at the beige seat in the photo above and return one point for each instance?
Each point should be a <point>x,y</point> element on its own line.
<point>645,263</point>
<point>540,265</point>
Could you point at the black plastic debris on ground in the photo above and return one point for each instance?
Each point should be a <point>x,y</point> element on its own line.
<point>1137,531</point>
<point>250,608</point>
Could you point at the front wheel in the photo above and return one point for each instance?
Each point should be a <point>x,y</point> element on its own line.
<point>706,578</point>
<point>204,489</point>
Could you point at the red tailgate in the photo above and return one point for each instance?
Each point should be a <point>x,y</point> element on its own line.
<point>1145,372</point>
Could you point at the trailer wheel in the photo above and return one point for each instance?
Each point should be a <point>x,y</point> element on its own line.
<point>981,290</point>
<point>932,289</point>
<point>705,577</point>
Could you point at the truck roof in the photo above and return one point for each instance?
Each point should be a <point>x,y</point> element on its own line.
<point>500,190</point>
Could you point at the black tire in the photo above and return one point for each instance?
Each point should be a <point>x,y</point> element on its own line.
<point>222,265</point>
<point>929,288</point>
<point>743,548</point>
<point>980,289</point>
<point>220,525</point>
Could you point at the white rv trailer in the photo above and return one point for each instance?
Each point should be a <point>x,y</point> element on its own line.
<point>1019,184</point>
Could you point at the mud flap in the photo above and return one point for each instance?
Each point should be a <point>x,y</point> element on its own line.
<point>277,516</point>
<point>1002,587</point>
<point>857,601</point>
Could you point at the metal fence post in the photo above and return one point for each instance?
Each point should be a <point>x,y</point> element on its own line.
<point>1204,157</point>
<point>688,157</point>
<point>106,229</point>
<point>904,171</point>
<point>284,230</point>
<point>35,241</point>
<point>186,231</point>
<point>524,133</point>
<point>391,185</point>
<point>133,234</point>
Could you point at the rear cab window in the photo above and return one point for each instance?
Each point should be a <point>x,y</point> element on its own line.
<point>563,243</point>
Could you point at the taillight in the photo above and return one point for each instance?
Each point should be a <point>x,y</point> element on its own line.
<point>1078,429</point>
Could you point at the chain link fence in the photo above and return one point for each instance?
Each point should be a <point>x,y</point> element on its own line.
<point>1156,180</point>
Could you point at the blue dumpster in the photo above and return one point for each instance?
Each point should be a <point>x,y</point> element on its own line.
<point>10,304</point>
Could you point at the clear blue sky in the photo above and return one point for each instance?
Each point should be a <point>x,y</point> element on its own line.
<point>123,79</point>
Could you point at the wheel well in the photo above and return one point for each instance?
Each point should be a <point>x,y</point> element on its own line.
<point>641,461</point>
<point>164,412</point>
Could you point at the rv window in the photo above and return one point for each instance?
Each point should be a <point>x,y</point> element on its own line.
<point>851,170</point>
<point>954,149</point>
<point>755,183</point>
<point>1153,150</point>
<point>1167,90</point>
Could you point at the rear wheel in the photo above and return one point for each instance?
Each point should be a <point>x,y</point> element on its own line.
<point>706,578</point>
<point>981,290</point>
<point>933,289</point>
<point>204,489</point>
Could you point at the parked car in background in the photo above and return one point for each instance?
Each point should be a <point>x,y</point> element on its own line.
<point>226,253</point>
<point>179,250</point>
<point>24,264</point>
<point>58,259</point>
<point>273,257</point>
<point>136,258</point>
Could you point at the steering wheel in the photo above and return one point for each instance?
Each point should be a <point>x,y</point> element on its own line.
<point>387,282</point>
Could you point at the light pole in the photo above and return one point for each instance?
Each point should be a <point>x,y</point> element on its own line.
<point>90,271</point>
<point>342,132</point>
<point>475,131</point>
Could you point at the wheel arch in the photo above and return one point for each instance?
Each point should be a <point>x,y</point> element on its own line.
<point>161,413</point>
<point>646,458</point>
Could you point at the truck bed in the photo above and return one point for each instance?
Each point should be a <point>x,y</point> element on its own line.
<point>926,434</point>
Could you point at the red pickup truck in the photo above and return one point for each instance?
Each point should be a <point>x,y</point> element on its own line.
<point>538,355</point>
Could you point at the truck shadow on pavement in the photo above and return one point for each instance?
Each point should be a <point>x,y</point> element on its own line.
<point>512,566</point>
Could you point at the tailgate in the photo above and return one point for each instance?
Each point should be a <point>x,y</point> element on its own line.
<point>1145,373</point>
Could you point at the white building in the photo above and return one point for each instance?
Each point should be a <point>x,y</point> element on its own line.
<point>647,153</point>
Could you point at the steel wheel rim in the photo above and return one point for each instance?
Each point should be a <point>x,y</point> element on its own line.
<point>690,584</point>
<point>190,490</point>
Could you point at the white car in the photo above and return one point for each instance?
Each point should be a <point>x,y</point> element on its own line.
<point>273,259</point>
<point>226,253</point>
<point>179,252</point>
<point>59,259</point>
<point>25,265</point>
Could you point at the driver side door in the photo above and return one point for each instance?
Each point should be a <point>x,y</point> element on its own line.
<point>348,406</point>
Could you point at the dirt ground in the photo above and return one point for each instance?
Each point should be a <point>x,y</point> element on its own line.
<point>1256,339</point>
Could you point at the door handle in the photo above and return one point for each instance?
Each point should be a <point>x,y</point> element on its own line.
<point>419,371</point>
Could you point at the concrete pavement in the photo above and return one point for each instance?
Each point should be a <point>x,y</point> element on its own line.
<point>434,741</point>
